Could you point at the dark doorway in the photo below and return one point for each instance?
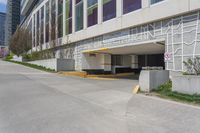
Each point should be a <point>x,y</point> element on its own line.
<point>151,60</point>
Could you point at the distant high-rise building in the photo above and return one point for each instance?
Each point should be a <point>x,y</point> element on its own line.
<point>12,18</point>
<point>2,28</point>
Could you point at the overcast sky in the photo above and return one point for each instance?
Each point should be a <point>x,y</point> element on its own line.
<point>3,5</point>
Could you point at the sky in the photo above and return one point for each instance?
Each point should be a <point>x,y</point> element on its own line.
<point>3,5</point>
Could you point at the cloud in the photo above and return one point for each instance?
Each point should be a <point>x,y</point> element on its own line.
<point>3,2</point>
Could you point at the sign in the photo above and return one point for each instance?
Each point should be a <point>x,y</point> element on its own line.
<point>168,56</point>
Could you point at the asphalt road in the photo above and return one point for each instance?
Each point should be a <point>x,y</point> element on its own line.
<point>32,101</point>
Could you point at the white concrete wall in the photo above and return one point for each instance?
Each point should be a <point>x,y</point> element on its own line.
<point>97,62</point>
<point>50,63</point>
<point>56,64</point>
<point>188,84</point>
<point>152,79</point>
<point>92,62</point>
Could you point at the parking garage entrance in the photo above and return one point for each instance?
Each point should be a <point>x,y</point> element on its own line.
<point>135,63</point>
<point>124,59</point>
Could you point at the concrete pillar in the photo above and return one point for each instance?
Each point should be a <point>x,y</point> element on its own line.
<point>119,8</point>
<point>134,61</point>
<point>32,30</point>
<point>73,16</point>
<point>64,17</point>
<point>35,21</point>
<point>84,14</point>
<point>100,11</point>
<point>40,17</point>
<point>145,3</point>
<point>56,23</point>
<point>106,62</point>
<point>44,33</point>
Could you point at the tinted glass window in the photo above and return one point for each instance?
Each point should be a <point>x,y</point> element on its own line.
<point>79,15</point>
<point>68,22</point>
<point>92,12</point>
<point>109,9</point>
<point>131,5</point>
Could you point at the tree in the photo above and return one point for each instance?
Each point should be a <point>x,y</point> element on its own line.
<point>21,41</point>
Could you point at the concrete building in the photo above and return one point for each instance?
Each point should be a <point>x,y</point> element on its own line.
<point>12,18</point>
<point>105,36</point>
<point>2,28</point>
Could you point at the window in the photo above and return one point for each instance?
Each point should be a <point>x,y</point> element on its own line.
<point>131,5</point>
<point>47,23</point>
<point>79,15</point>
<point>60,18</point>
<point>155,1</point>
<point>68,22</point>
<point>92,12</point>
<point>109,9</point>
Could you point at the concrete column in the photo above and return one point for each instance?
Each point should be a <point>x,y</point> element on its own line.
<point>119,8</point>
<point>145,3</point>
<point>73,16</point>
<point>107,62</point>
<point>50,22</point>
<point>100,11</point>
<point>36,30</point>
<point>32,31</point>
<point>35,19</point>
<point>56,2</point>
<point>45,25</point>
<point>84,14</point>
<point>64,17</point>
<point>134,61</point>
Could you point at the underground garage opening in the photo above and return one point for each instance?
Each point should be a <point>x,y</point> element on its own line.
<point>124,59</point>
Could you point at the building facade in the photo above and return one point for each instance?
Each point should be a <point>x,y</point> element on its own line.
<point>105,36</point>
<point>12,18</point>
<point>2,28</point>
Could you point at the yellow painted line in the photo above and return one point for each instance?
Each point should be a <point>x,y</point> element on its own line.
<point>98,78</point>
<point>136,89</point>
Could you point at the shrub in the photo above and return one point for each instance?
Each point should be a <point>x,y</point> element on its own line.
<point>9,56</point>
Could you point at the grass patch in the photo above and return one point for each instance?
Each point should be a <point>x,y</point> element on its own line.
<point>165,91</point>
<point>32,66</point>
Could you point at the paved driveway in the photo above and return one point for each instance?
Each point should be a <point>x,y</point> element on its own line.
<point>32,101</point>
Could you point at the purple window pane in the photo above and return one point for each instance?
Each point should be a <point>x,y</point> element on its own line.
<point>109,9</point>
<point>131,5</point>
<point>93,17</point>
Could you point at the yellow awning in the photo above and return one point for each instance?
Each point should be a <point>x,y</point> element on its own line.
<point>95,50</point>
